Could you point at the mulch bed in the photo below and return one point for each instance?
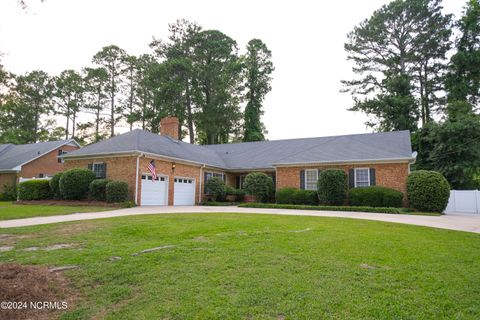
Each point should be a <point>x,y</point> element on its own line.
<point>79,203</point>
<point>22,283</point>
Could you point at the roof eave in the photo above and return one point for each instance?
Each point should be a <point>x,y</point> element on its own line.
<point>359,161</point>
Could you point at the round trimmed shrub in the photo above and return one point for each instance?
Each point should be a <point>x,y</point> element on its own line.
<point>117,191</point>
<point>97,189</point>
<point>260,185</point>
<point>55,185</point>
<point>75,183</point>
<point>34,190</point>
<point>216,188</point>
<point>428,191</point>
<point>332,187</point>
<point>375,196</point>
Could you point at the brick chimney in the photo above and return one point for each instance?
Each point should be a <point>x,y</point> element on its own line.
<point>169,127</point>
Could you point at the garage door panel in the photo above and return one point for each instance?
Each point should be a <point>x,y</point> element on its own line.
<point>184,192</point>
<point>154,192</point>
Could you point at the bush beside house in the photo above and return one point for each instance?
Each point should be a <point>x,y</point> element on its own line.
<point>332,187</point>
<point>428,191</point>
<point>116,191</point>
<point>55,185</point>
<point>98,189</point>
<point>375,196</point>
<point>34,190</point>
<point>75,183</point>
<point>215,187</point>
<point>9,193</point>
<point>296,196</point>
<point>259,185</point>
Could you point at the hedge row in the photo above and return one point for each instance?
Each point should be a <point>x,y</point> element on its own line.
<point>74,184</point>
<point>296,196</point>
<point>321,208</point>
<point>375,196</point>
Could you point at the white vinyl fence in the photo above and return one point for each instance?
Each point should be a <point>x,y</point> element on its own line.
<point>464,201</point>
<point>27,179</point>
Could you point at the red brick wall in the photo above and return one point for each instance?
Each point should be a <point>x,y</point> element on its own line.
<point>47,164</point>
<point>8,179</point>
<point>165,168</point>
<point>124,169</point>
<point>118,168</point>
<point>391,175</point>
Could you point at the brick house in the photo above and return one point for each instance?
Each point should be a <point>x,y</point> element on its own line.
<point>182,168</point>
<point>35,160</point>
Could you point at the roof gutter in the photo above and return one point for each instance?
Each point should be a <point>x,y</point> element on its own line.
<point>386,160</point>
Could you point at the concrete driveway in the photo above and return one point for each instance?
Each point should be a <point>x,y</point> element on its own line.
<point>470,223</point>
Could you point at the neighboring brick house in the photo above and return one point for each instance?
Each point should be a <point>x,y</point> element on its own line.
<point>35,160</point>
<point>182,168</point>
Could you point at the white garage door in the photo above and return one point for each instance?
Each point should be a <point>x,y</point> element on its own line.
<point>184,192</point>
<point>154,193</point>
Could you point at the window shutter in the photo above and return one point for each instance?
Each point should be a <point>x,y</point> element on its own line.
<point>372,177</point>
<point>351,178</point>
<point>90,166</point>
<point>104,170</point>
<point>224,178</point>
<point>302,179</point>
<point>205,190</point>
<point>237,182</point>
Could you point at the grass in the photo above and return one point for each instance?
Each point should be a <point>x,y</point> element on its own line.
<point>337,208</point>
<point>241,266</point>
<point>10,210</point>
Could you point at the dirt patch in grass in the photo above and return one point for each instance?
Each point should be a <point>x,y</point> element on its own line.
<point>83,203</point>
<point>31,285</point>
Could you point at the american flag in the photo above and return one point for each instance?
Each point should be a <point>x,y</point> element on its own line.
<point>153,170</point>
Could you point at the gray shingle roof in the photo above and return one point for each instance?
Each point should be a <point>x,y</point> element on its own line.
<point>144,141</point>
<point>12,156</point>
<point>264,154</point>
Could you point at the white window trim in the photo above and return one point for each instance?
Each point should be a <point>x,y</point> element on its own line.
<point>355,176</point>
<point>93,167</point>
<point>310,170</point>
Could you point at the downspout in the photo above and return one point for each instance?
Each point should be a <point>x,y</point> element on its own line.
<point>136,179</point>
<point>200,185</point>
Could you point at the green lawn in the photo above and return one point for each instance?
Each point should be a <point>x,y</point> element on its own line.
<point>9,210</point>
<point>240,266</point>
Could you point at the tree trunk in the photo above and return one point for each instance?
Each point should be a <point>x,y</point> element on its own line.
<point>68,119</point>
<point>37,118</point>
<point>74,116</point>
<point>112,111</point>
<point>97,120</point>
<point>189,113</point>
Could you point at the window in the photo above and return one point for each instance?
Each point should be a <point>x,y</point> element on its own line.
<point>100,169</point>
<point>41,175</point>
<point>362,177</point>
<point>208,175</point>
<point>311,178</point>
<point>60,152</point>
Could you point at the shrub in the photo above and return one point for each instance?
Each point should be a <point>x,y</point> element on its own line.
<point>238,193</point>
<point>375,196</point>
<point>285,195</point>
<point>320,208</point>
<point>117,191</point>
<point>259,185</point>
<point>9,193</point>
<point>428,191</point>
<point>55,185</point>
<point>215,187</point>
<point>296,196</point>
<point>34,190</point>
<point>97,189</point>
<point>332,187</point>
<point>75,183</point>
